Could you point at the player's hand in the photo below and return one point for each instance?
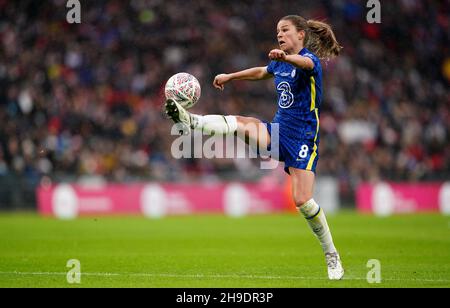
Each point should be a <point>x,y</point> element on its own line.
<point>277,55</point>
<point>220,81</point>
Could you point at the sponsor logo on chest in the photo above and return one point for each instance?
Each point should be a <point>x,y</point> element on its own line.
<point>285,74</point>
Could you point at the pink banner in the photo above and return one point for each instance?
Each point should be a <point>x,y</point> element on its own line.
<point>393,198</point>
<point>157,200</point>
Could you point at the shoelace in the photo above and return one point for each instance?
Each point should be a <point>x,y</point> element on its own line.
<point>332,260</point>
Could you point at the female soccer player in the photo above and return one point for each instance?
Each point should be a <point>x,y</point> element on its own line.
<point>297,71</point>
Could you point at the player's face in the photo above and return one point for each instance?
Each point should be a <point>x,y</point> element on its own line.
<point>289,38</point>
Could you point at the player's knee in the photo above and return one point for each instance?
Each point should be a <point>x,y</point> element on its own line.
<point>241,120</point>
<point>301,198</point>
<point>245,121</point>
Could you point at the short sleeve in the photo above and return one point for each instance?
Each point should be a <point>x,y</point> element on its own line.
<point>316,62</point>
<point>271,67</point>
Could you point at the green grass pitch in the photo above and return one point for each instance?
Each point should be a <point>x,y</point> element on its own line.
<point>214,251</point>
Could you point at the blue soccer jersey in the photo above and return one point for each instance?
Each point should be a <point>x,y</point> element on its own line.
<point>299,100</point>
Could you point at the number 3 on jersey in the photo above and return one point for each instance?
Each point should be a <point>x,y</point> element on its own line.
<point>286,97</point>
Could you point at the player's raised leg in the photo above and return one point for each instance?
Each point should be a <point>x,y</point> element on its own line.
<point>302,189</point>
<point>252,130</point>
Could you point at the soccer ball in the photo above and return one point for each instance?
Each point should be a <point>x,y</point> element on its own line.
<point>184,89</point>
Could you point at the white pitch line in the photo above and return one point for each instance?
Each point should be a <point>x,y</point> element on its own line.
<point>208,276</point>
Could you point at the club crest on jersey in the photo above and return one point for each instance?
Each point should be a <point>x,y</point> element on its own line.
<point>293,73</point>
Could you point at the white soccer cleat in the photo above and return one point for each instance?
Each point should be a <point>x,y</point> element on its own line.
<point>178,114</point>
<point>335,269</point>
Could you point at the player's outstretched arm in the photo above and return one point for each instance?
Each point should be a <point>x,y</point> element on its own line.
<point>255,73</point>
<point>296,60</point>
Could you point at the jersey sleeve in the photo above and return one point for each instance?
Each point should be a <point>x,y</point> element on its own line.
<point>316,62</point>
<point>271,67</point>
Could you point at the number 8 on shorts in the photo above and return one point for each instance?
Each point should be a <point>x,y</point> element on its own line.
<point>304,151</point>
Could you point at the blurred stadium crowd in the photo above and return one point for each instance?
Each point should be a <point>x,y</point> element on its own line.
<point>85,99</point>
